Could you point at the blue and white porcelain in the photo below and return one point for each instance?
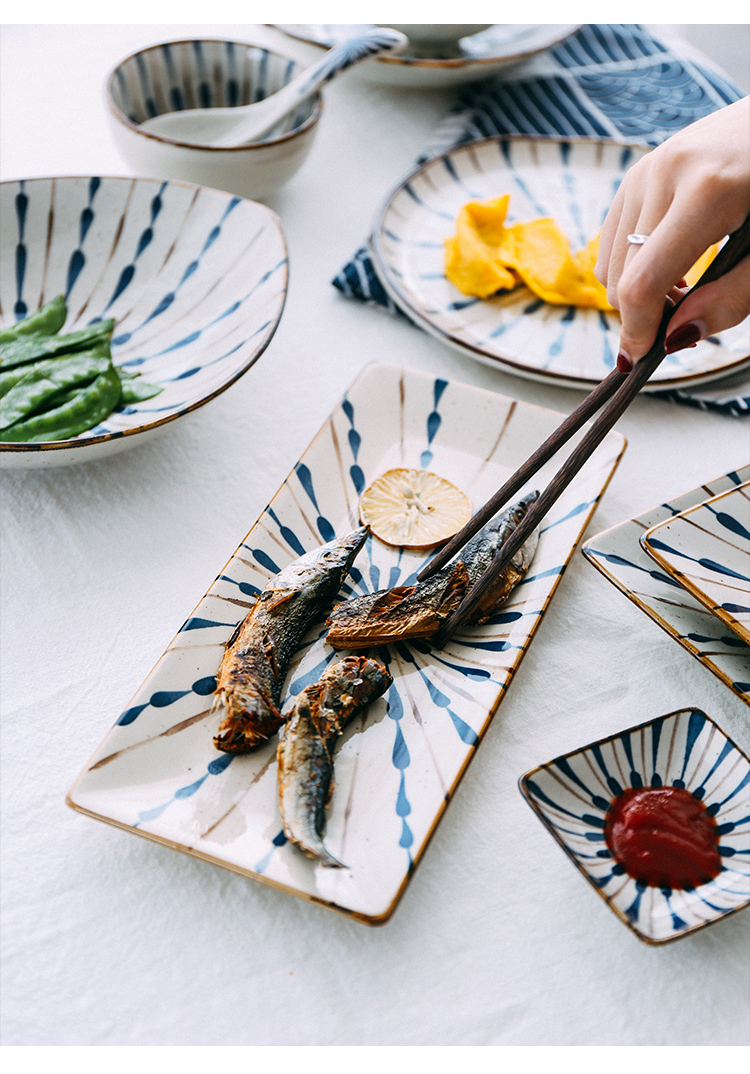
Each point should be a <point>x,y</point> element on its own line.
<point>571,180</point>
<point>707,550</point>
<point>157,773</point>
<point>205,73</point>
<point>619,555</point>
<point>571,795</point>
<point>431,62</point>
<point>195,279</point>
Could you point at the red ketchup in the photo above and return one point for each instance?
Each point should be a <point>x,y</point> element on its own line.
<point>663,836</point>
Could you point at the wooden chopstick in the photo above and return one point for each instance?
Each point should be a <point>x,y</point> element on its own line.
<point>622,390</point>
<point>593,402</point>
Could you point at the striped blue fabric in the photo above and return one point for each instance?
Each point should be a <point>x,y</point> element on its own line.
<point>605,81</point>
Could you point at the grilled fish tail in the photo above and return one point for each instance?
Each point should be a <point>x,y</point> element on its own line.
<point>305,750</point>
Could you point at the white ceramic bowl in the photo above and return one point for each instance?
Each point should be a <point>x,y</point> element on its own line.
<point>204,73</point>
<point>195,279</point>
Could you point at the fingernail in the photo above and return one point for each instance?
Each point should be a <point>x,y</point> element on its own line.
<point>687,335</point>
<point>624,362</point>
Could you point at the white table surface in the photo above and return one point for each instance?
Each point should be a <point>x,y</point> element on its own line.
<point>112,940</point>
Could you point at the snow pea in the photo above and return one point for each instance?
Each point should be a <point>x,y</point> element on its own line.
<point>86,409</point>
<point>46,321</point>
<point>21,351</point>
<point>50,378</point>
<point>135,391</point>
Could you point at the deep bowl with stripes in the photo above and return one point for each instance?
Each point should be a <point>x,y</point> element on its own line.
<point>195,279</point>
<point>208,73</point>
<point>572,795</point>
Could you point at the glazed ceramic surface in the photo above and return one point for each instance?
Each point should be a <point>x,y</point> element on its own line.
<point>707,549</point>
<point>157,772</point>
<point>195,279</point>
<point>497,49</point>
<point>571,795</point>
<point>203,74</point>
<point>618,554</point>
<point>573,182</point>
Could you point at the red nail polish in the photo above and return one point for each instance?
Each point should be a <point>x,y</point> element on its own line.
<point>687,335</point>
<point>624,362</point>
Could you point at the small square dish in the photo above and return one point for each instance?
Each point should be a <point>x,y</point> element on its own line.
<point>581,796</point>
<point>707,550</point>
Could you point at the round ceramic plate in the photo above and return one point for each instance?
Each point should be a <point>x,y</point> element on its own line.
<point>572,181</point>
<point>479,56</point>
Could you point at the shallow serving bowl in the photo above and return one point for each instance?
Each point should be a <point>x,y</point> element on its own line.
<point>436,58</point>
<point>195,279</point>
<point>205,73</point>
<point>572,794</point>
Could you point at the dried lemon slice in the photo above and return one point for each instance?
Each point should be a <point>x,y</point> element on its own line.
<point>413,508</point>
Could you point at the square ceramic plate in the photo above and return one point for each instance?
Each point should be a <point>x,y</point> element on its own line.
<point>572,794</point>
<point>157,773</point>
<point>707,550</point>
<point>617,553</point>
<point>571,180</point>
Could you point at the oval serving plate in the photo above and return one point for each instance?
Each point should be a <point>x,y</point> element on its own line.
<point>571,180</point>
<point>498,48</point>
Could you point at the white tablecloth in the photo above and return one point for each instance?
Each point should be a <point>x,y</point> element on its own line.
<point>112,940</point>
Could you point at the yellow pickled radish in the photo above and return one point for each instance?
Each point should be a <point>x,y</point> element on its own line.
<point>413,508</point>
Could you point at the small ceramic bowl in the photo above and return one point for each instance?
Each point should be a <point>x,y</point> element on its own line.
<point>205,73</point>
<point>195,280</point>
<point>572,795</point>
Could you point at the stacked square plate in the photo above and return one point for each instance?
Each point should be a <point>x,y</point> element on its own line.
<point>686,564</point>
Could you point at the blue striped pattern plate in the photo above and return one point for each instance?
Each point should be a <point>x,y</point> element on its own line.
<point>572,794</point>
<point>571,180</point>
<point>707,550</point>
<point>157,773</point>
<point>618,554</point>
<point>195,278</point>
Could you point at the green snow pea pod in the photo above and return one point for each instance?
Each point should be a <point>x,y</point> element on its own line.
<point>86,409</point>
<point>47,321</point>
<point>50,378</point>
<point>135,391</point>
<point>35,347</point>
<point>12,377</point>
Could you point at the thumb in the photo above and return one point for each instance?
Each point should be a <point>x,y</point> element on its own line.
<point>711,308</point>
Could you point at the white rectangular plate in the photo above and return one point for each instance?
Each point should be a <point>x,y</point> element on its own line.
<point>618,554</point>
<point>157,772</point>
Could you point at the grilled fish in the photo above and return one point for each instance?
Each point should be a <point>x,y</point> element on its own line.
<point>257,655</point>
<point>305,750</point>
<point>419,611</point>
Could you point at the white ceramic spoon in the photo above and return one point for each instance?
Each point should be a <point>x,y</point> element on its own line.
<point>226,127</point>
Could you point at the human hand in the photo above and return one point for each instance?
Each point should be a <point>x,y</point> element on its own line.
<point>688,193</point>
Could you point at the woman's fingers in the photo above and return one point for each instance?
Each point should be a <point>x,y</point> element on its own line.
<point>686,194</point>
<point>653,271</point>
<point>711,308</point>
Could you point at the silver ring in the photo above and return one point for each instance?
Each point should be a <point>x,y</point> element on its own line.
<point>637,239</point>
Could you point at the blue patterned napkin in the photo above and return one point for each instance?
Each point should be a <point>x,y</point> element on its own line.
<point>605,81</point>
